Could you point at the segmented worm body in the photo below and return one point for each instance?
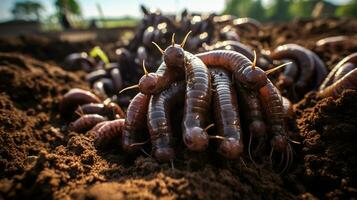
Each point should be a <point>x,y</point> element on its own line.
<point>304,60</point>
<point>275,115</point>
<point>109,129</point>
<point>197,103</point>
<point>75,97</point>
<point>352,58</point>
<point>110,110</point>
<point>349,81</point>
<point>135,122</point>
<point>159,123</point>
<point>238,64</point>
<point>226,114</point>
<point>287,78</point>
<point>86,122</point>
<point>343,70</point>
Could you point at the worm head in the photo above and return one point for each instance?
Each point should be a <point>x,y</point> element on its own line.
<point>196,139</point>
<point>174,56</point>
<point>147,83</point>
<point>254,78</point>
<point>230,148</point>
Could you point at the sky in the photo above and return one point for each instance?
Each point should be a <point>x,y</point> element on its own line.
<point>120,8</point>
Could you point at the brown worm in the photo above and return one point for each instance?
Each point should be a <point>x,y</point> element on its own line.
<point>109,109</point>
<point>75,97</point>
<point>238,64</point>
<point>109,130</point>
<point>96,75</point>
<point>304,60</point>
<point>197,103</point>
<point>135,122</point>
<point>275,115</point>
<point>249,22</point>
<point>287,78</point>
<point>226,114</point>
<point>158,120</point>
<point>320,70</point>
<point>86,122</point>
<point>117,79</point>
<point>349,81</point>
<point>329,79</point>
<point>234,46</point>
<point>343,70</point>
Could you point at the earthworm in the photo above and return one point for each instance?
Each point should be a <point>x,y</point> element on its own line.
<point>302,57</point>
<point>75,97</point>
<point>158,120</point>
<point>240,66</point>
<point>117,79</point>
<point>287,78</point>
<point>77,61</point>
<point>104,86</point>
<point>234,46</point>
<point>253,115</point>
<point>197,103</point>
<point>274,113</point>
<point>86,122</point>
<point>135,122</point>
<point>109,130</point>
<point>96,75</point>
<point>329,79</point>
<point>343,70</point>
<point>105,109</point>
<point>349,81</point>
<point>228,33</point>
<point>320,70</point>
<point>333,41</point>
<point>288,108</point>
<point>226,114</point>
<point>249,22</point>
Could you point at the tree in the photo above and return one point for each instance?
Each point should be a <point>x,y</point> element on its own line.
<point>245,8</point>
<point>279,11</point>
<point>67,10</point>
<point>350,9</point>
<point>27,10</point>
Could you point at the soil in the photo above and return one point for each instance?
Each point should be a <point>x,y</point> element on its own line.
<point>40,159</point>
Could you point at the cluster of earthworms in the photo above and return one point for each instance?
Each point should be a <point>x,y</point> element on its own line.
<point>205,29</point>
<point>220,94</point>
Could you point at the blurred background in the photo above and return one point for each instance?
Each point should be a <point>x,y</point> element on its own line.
<point>51,15</point>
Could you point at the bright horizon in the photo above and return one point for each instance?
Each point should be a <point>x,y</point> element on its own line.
<point>123,8</point>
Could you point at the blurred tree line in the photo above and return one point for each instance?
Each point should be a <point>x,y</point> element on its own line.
<point>284,10</point>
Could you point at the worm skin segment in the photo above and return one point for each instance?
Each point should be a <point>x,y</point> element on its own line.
<point>320,70</point>
<point>197,104</point>
<point>234,46</point>
<point>349,81</point>
<point>274,113</point>
<point>249,22</point>
<point>135,122</point>
<point>329,79</point>
<point>109,110</point>
<point>238,64</point>
<point>250,103</point>
<point>287,78</point>
<point>304,60</point>
<point>109,130</point>
<point>154,83</point>
<point>75,97</point>
<point>343,70</point>
<point>240,48</point>
<point>288,108</point>
<point>117,79</point>
<point>96,75</point>
<point>226,114</point>
<point>158,120</point>
<point>86,122</point>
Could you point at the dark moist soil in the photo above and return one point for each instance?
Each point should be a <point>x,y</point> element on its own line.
<point>39,159</point>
